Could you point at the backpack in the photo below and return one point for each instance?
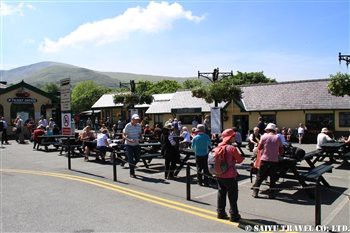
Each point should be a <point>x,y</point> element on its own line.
<point>217,164</point>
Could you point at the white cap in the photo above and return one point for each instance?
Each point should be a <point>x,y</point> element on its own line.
<point>271,126</point>
<point>135,116</point>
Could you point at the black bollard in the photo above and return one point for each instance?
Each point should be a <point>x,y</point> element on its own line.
<point>114,166</point>
<point>188,182</point>
<point>317,205</point>
<point>69,162</point>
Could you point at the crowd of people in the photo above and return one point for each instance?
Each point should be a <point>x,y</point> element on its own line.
<point>266,141</point>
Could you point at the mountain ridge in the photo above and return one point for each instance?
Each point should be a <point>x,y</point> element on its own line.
<point>40,73</point>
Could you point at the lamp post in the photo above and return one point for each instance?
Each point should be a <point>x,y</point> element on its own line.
<point>345,58</point>
<point>214,77</point>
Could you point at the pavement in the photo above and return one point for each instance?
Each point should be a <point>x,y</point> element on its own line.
<point>40,194</point>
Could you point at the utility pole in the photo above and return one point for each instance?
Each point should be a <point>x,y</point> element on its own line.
<point>345,58</point>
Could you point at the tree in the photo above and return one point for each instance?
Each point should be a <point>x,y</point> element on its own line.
<point>227,88</point>
<point>85,94</point>
<point>52,88</point>
<point>144,91</point>
<point>339,84</point>
<point>190,84</point>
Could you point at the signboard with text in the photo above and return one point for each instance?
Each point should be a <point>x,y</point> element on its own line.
<point>66,123</point>
<point>215,120</point>
<point>65,95</point>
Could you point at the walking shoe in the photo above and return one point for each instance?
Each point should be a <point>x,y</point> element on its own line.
<point>235,218</point>
<point>255,193</point>
<point>132,175</point>
<point>222,216</point>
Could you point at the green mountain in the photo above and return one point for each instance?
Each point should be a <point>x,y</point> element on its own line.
<point>52,72</point>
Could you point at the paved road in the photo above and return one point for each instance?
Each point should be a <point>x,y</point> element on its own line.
<point>39,194</point>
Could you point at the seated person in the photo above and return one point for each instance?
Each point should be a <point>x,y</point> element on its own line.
<point>102,145</point>
<point>87,136</point>
<point>186,142</point>
<point>147,130</point>
<point>39,131</point>
<point>323,138</point>
<point>238,137</point>
<point>254,139</point>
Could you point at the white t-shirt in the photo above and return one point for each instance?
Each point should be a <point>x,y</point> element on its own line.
<point>101,138</point>
<point>321,139</point>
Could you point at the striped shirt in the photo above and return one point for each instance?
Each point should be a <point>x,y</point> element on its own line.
<point>132,132</point>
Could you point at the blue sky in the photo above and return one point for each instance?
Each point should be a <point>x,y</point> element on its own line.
<point>287,40</point>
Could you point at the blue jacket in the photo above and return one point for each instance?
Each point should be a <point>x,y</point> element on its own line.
<point>201,144</point>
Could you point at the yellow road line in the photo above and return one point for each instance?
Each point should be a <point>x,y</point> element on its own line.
<point>203,213</point>
<point>143,196</point>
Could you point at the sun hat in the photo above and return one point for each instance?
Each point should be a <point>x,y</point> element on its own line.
<point>227,134</point>
<point>135,116</point>
<point>324,130</point>
<point>271,126</point>
<point>200,128</point>
<point>168,126</point>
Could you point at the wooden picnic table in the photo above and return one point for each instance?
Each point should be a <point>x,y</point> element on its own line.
<point>189,154</point>
<point>47,140</point>
<point>332,150</point>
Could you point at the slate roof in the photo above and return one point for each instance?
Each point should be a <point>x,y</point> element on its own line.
<point>106,101</point>
<point>179,99</point>
<point>296,95</point>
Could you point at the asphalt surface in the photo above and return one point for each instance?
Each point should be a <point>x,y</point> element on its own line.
<point>40,194</point>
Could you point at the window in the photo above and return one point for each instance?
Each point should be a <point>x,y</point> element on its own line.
<point>186,119</point>
<point>158,119</point>
<point>344,119</point>
<point>269,118</point>
<point>320,120</point>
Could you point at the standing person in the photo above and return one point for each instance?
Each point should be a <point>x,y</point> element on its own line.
<point>96,125</point>
<point>227,182</point>
<point>261,125</point>
<point>43,121</point>
<point>120,125</point>
<point>271,147</point>
<point>170,150</point>
<point>89,122</point>
<point>4,131</point>
<point>19,130</point>
<point>207,125</point>
<point>301,132</point>
<point>201,144</point>
<point>132,135</point>
<point>51,124</point>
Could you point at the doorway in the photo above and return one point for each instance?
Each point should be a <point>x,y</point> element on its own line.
<point>242,124</point>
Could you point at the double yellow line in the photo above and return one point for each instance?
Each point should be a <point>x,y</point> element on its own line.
<point>203,213</point>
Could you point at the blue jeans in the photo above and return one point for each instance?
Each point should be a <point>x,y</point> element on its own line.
<point>133,153</point>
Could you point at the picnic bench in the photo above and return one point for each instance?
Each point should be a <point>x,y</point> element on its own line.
<point>288,169</point>
<point>47,140</point>
<point>71,144</point>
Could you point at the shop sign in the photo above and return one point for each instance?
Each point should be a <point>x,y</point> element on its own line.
<point>22,100</point>
<point>186,110</point>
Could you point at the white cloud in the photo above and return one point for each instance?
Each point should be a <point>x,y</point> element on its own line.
<point>155,17</point>
<point>7,10</point>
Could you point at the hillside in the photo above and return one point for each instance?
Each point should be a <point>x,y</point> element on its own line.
<point>52,72</point>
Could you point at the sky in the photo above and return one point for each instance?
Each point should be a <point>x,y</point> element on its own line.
<point>288,40</point>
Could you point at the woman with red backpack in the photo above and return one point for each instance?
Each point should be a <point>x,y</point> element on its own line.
<point>227,181</point>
